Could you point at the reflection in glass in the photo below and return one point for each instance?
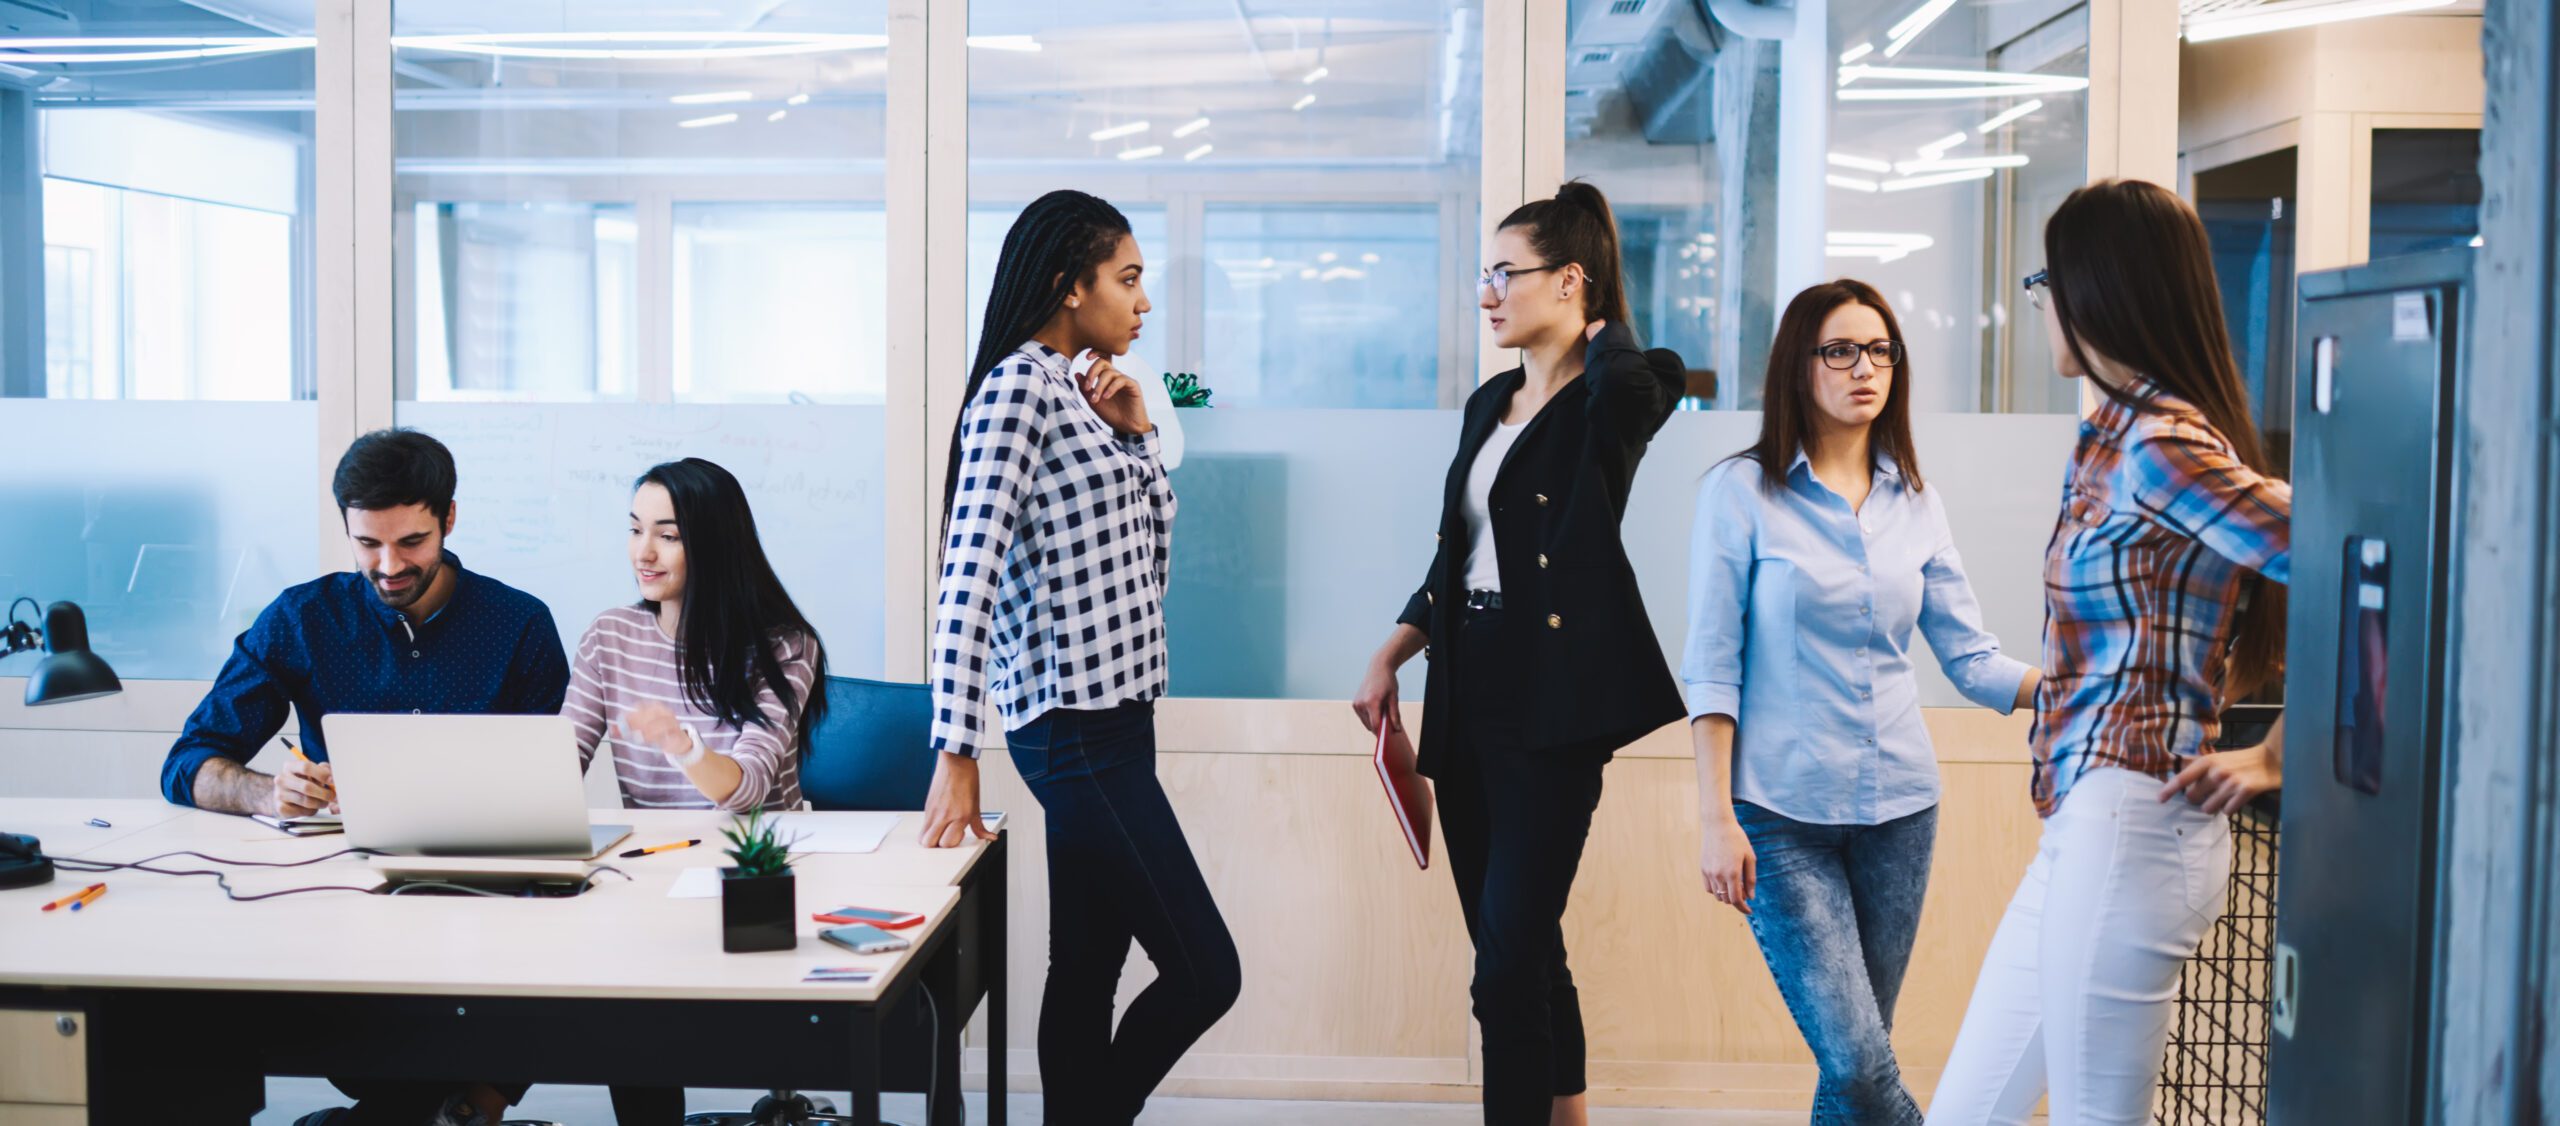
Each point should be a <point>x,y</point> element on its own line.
<point>1312,306</point>
<point>777,302</point>
<point>2426,190</point>
<point>526,301</point>
<point>168,203</point>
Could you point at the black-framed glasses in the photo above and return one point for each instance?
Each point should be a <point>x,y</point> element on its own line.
<point>2037,285</point>
<point>1498,279</point>
<point>1842,355</point>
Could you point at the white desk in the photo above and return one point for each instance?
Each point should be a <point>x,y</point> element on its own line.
<point>621,984</point>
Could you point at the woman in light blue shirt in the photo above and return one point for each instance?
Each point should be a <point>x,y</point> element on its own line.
<point>1814,555</point>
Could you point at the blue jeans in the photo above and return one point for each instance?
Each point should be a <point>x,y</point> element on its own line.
<point>1835,911</point>
<point>1119,869</point>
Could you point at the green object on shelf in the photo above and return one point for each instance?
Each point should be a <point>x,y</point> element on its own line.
<point>1186,389</point>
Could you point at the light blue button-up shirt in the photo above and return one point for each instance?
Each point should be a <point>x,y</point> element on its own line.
<point>1800,620</point>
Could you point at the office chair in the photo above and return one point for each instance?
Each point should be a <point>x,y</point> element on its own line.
<point>872,752</point>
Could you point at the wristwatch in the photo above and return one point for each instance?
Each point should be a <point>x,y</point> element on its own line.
<point>693,739</point>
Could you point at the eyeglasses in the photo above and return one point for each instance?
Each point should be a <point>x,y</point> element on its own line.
<point>1498,279</point>
<point>1841,355</point>
<point>2038,284</point>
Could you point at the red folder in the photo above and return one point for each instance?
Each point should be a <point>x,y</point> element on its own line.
<point>1408,792</point>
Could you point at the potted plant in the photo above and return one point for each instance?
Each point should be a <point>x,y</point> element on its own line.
<point>757,901</point>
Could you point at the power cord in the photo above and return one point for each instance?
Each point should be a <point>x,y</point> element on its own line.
<point>406,886</point>
<point>933,1066</point>
<point>221,879</point>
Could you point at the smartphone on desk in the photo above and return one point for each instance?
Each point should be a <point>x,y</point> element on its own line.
<point>863,938</point>
<point>885,920</point>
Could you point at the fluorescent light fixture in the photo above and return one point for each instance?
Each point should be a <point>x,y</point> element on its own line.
<point>1022,43</point>
<point>655,45</point>
<point>1327,258</point>
<point>1114,133</point>
<point>777,115</point>
<point>2010,114</point>
<point>1308,274</point>
<point>1958,84</point>
<point>1860,163</point>
<point>1932,180</point>
<point>1883,246</point>
<point>796,100</point>
<point>1197,153</point>
<point>1316,75</point>
<point>713,98</point>
<point>1856,53</point>
<point>1853,183</point>
<point>2477,240</point>
<point>147,49</point>
<point>702,122</point>
<point>1902,34</point>
<point>1938,148</point>
<point>1372,259</point>
<point>1961,163</point>
<point>2289,14</point>
<point>1302,103</point>
<point>1143,153</point>
<point>1190,127</point>
<point>1340,273</point>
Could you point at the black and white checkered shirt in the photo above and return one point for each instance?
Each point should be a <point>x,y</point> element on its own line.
<point>1053,576</point>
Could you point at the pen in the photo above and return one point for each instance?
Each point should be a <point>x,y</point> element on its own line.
<point>101,822</point>
<point>296,748</point>
<point>95,892</point>
<point>73,896</point>
<point>670,846</point>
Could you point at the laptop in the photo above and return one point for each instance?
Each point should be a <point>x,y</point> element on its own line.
<point>463,785</point>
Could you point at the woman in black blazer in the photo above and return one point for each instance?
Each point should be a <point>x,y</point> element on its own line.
<point>1542,661</point>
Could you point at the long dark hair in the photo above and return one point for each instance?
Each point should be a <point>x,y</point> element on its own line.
<point>2130,275</point>
<point>734,605</point>
<point>1058,241</point>
<point>1578,227</point>
<point>1787,409</point>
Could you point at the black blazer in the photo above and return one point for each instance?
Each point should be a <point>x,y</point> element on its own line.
<point>1575,630</point>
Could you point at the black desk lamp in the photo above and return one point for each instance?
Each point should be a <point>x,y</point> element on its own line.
<point>68,672</point>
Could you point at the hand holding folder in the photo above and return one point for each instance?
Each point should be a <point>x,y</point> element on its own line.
<point>1408,792</point>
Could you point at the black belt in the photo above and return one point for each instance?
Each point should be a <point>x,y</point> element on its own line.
<point>1484,600</point>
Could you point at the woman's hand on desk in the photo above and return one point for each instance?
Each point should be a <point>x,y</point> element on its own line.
<point>304,787</point>
<point>951,806</point>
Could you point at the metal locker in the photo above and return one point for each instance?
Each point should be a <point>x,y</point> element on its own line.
<point>2378,351</point>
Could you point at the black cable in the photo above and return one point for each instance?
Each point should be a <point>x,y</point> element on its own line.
<point>223,881</point>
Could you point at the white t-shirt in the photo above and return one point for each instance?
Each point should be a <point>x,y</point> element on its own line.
<point>1484,572</point>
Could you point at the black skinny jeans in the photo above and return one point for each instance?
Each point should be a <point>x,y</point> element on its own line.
<point>1119,870</point>
<point>1514,820</point>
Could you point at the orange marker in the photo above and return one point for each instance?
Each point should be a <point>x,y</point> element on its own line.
<point>670,846</point>
<point>75,896</point>
<point>95,892</point>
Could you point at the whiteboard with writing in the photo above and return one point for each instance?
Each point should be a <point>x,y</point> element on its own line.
<point>544,500</point>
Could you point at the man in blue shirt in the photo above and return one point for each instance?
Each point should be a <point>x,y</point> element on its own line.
<point>408,631</point>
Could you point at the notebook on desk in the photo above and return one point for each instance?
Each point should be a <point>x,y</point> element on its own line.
<point>307,825</point>
<point>1408,792</point>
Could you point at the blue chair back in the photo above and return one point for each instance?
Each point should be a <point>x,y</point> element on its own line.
<point>873,751</point>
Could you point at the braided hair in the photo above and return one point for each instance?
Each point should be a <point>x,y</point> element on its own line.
<point>1055,244</point>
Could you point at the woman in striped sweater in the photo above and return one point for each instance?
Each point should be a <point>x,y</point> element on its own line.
<point>707,687</point>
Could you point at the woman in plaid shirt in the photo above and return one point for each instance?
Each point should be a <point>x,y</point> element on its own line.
<point>2164,603</point>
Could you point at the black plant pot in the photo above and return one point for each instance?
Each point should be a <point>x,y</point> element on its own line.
<point>755,914</point>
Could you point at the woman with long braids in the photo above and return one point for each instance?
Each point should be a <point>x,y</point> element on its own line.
<point>1542,660</point>
<point>2164,602</point>
<point>1059,515</point>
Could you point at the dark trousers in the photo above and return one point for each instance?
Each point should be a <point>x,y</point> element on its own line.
<point>1514,821</point>
<point>1835,913</point>
<point>1119,870</point>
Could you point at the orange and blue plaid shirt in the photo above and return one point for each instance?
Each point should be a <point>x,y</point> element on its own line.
<point>2161,527</point>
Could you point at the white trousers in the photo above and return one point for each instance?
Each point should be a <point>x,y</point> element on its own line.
<point>2076,990</point>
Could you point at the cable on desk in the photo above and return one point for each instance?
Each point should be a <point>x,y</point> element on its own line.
<point>584,886</point>
<point>220,878</point>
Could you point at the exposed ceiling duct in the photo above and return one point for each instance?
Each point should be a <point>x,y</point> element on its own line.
<point>1657,55</point>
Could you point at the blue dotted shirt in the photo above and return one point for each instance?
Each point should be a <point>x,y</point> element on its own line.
<point>330,645</point>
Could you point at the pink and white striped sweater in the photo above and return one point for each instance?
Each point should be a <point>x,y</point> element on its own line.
<point>624,662</point>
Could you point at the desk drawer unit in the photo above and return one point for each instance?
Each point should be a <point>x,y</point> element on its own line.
<point>44,1067</point>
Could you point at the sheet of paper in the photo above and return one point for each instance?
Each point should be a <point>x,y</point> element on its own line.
<point>837,832</point>
<point>696,883</point>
